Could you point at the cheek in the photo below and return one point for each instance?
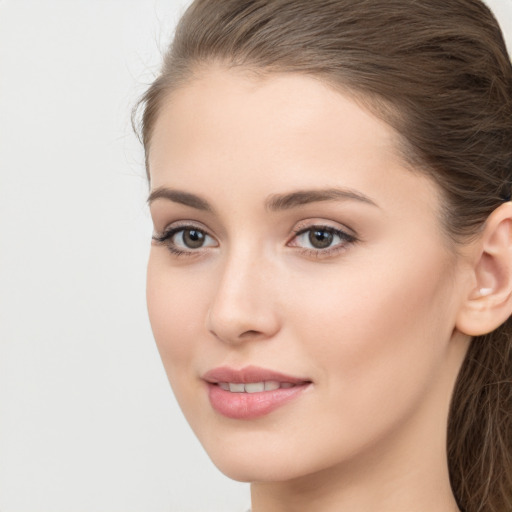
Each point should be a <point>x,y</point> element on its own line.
<point>175,307</point>
<point>375,325</point>
<point>377,346</point>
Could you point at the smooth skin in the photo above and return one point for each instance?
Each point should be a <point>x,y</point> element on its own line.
<point>358,289</point>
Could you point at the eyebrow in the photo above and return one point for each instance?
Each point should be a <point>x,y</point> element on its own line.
<point>279,202</point>
<point>276,202</point>
<point>178,196</point>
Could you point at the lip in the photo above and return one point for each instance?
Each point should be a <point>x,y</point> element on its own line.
<point>247,406</point>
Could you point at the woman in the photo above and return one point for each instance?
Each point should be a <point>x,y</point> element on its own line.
<point>330,281</point>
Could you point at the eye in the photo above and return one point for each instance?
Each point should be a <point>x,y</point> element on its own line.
<point>322,240</point>
<point>185,239</point>
<point>191,239</point>
<point>319,238</point>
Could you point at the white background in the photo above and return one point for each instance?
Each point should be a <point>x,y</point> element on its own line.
<point>87,420</point>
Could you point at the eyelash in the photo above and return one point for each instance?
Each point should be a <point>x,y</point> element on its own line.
<point>345,240</point>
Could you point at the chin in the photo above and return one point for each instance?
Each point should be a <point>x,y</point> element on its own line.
<point>243,470</point>
<point>245,461</point>
<point>261,457</point>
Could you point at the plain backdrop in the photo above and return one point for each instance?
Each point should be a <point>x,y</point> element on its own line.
<point>87,420</point>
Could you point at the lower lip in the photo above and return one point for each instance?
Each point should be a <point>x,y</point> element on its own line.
<point>248,406</point>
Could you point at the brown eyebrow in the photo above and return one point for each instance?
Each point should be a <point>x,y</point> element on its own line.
<point>276,202</point>
<point>178,196</point>
<point>279,202</point>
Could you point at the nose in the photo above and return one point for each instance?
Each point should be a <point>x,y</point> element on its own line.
<point>244,305</point>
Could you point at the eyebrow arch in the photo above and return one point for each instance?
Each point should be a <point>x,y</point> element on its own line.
<point>178,196</point>
<point>278,202</point>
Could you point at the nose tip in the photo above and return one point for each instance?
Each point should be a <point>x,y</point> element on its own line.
<point>237,324</point>
<point>243,308</point>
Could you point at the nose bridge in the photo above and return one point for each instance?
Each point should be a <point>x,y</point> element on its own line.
<point>243,305</point>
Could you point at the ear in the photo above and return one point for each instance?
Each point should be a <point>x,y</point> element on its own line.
<point>488,303</point>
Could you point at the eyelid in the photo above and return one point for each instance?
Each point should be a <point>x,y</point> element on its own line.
<point>319,227</point>
<point>182,224</point>
<point>307,224</point>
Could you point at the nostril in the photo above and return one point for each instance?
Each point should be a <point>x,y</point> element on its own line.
<point>250,334</point>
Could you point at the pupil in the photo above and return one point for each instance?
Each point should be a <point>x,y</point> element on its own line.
<point>320,239</point>
<point>193,238</point>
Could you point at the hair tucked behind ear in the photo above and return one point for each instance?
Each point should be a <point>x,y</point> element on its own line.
<point>439,73</point>
<point>480,427</point>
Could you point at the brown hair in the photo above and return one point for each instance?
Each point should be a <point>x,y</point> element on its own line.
<point>438,72</point>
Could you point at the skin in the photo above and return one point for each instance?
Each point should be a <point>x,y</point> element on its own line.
<point>371,321</point>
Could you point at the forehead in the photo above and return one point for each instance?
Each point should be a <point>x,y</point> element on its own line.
<point>232,111</point>
<point>257,135</point>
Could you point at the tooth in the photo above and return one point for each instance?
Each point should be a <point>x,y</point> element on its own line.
<point>255,387</point>
<point>236,388</point>
<point>224,386</point>
<point>271,385</point>
<point>286,385</point>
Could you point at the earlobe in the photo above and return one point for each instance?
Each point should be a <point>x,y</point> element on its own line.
<point>489,302</point>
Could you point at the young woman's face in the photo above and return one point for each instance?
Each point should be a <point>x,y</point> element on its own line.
<point>301,290</point>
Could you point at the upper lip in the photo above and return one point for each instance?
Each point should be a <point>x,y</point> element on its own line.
<point>249,374</point>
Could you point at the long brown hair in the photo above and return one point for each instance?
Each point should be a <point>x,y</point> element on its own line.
<point>438,72</point>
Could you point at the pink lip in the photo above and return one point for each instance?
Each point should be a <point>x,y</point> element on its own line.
<point>247,406</point>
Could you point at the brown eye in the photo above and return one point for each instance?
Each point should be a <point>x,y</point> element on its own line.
<point>192,238</point>
<point>185,240</point>
<point>320,238</point>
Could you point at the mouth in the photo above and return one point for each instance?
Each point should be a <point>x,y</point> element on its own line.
<point>255,387</point>
<point>251,392</point>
